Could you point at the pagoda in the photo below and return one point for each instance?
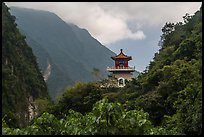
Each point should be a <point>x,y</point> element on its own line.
<point>121,71</point>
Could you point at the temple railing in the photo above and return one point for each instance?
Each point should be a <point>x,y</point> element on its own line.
<point>121,68</point>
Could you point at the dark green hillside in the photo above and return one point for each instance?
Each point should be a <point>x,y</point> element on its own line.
<point>71,51</point>
<point>166,99</point>
<point>21,78</point>
<point>171,88</point>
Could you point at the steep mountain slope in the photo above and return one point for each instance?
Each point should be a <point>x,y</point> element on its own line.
<point>86,39</point>
<point>170,90</point>
<point>168,93</point>
<point>73,54</point>
<point>22,82</point>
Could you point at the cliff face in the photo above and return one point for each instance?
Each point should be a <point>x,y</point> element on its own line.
<point>21,77</point>
<point>66,53</point>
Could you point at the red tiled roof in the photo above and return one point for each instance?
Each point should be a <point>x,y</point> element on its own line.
<point>121,56</point>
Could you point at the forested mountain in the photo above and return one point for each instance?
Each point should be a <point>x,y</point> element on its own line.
<point>166,99</point>
<point>22,82</point>
<point>72,53</point>
<point>170,90</point>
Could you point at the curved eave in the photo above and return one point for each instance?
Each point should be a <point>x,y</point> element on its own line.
<point>115,58</point>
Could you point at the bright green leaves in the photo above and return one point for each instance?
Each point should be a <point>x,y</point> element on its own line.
<point>104,119</point>
<point>46,124</point>
<point>112,119</point>
<point>163,131</point>
<point>73,123</point>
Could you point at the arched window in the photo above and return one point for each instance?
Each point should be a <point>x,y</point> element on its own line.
<point>121,82</point>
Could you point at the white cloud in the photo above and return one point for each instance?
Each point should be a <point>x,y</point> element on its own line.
<point>107,22</point>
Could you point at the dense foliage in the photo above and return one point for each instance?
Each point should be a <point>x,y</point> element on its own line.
<point>82,96</point>
<point>104,119</point>
<point>170,90</point>
<point>21,78</point>
<point>172,85</point>
<point>165,99</point>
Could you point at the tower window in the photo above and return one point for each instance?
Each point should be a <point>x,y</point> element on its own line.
<point>121,82</point>
<point>121,62</point>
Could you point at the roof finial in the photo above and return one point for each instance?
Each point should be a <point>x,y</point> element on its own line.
<point>121,50</point>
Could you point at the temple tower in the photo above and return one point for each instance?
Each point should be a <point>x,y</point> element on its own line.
<point>121,71</point>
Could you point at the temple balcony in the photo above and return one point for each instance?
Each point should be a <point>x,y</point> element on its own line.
<point>128,69</point>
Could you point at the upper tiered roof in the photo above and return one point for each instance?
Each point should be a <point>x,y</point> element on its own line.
<point>121,56</point>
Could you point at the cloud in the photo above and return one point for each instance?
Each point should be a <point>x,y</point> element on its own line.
<point>155,13</point>
<point>108,22</point>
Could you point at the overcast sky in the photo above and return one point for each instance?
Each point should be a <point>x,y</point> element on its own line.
<point>107,21</point>
<point>133,26</point>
